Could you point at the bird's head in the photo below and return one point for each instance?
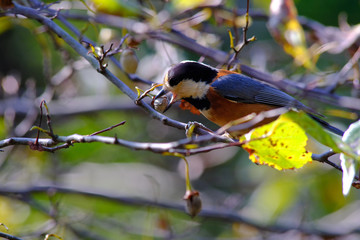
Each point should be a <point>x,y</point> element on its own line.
<point>187,80</point>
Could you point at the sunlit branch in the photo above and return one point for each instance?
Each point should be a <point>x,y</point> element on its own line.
<point>181,146</point>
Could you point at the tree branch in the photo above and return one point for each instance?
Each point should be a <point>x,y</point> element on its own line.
<point>9,237</point>
<point>32,13</point>
<point>207,213</point>
<point>47,144</point>
<point>179,39</point>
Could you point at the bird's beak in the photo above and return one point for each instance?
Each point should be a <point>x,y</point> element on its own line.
<point>161,94</point>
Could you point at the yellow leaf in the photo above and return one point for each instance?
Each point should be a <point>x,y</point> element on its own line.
<point>280,144</point>
<point>116,7</point>
<point>191,146</point>
<point>288,32</point>
<point>189,4</point>
<point>185,4</point>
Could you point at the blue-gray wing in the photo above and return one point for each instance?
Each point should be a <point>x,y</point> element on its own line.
<point>240,88</point>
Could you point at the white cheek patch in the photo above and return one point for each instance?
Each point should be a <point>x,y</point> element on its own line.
<point>167,85</point>
<point>190,88</point>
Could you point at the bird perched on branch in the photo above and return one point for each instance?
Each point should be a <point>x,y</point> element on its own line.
<point>223,96</point>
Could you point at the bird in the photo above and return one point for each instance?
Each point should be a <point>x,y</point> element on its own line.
<point>223,96</point>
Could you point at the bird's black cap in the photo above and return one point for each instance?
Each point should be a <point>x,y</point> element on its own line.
<point>198,72</point>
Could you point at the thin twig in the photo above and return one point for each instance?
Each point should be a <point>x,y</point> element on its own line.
<point>107,129</point>
<point>9,237</point>
<point>48,119</point>
<point>146,92</point>
<point>118,49</point>
<point>324,158</point>
<point>340,76</point>
<point>245,40</point>
<point>40,121</point>
<point>47,144</point>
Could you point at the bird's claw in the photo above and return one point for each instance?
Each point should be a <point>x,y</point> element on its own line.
<point>191,126</point>
<point>227,135</point>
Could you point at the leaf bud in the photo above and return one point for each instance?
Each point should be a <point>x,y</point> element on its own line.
<point>193,202</point>
<point>129,61</point>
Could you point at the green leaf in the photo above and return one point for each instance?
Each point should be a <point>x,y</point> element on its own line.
<point>280,144</point>
<point>350,163</point>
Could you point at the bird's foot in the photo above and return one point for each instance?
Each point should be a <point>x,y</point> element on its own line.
<point>191,126</point>
<point>227,135</point>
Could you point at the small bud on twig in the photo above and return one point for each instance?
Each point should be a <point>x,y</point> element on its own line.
<point>193,202</point>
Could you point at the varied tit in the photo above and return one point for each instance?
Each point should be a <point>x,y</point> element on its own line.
<point>223,96</point>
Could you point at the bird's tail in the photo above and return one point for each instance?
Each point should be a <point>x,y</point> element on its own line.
<point>327,125</point>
